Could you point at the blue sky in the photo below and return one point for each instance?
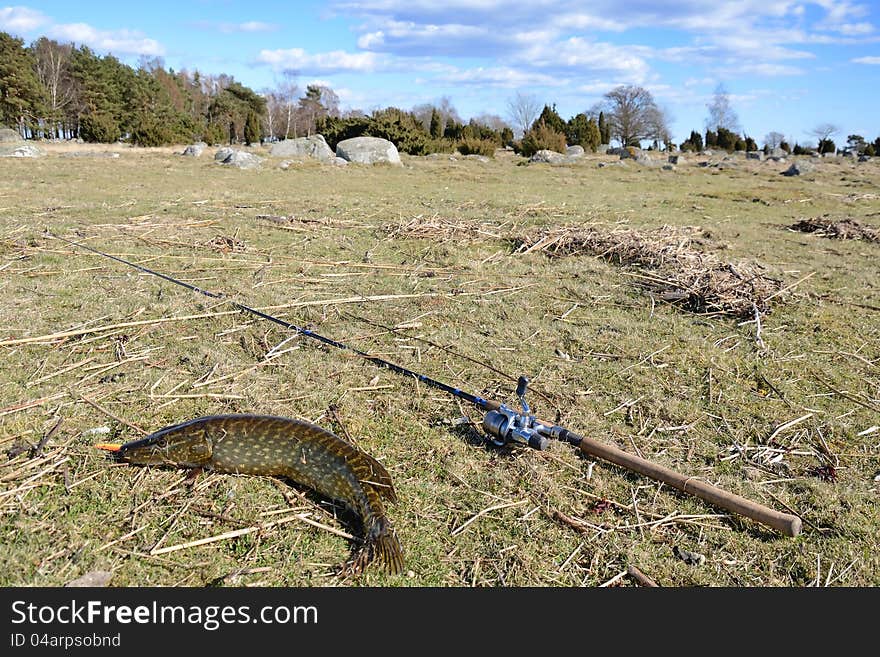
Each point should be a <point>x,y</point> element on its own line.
<point>788,65</point>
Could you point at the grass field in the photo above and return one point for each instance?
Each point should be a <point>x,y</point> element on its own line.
<point>417,264</point>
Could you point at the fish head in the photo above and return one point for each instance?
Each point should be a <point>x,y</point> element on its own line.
<point>181,445</point>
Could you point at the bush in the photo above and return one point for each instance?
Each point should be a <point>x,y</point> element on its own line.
<point>472,146</point>
<point>252,130</point>
<point>870,151</point>
<point>542,137</point>
<point>215,134</point>
<point>99,127</point>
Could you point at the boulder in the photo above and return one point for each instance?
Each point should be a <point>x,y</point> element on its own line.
<point>340,161</point>
<point>195,150</point>
<point>603,148</point>
<point>223,153</point>
<point>26,150</point>
<point>864,158</point>
<point>675,159</point>
<point>574,151</point>
<point>368,150</point>
<point>242,160</point>
<point>477,157</point>
<point>548,157</point>
<point>314,147</point>
<point>798,168</point>
<point>755,155</point>
<point>668,167</point>
<point>9,135</point>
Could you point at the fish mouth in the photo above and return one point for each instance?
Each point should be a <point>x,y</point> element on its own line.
<point>147,450</point>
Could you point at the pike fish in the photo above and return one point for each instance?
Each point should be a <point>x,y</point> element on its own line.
<point>279,446</point>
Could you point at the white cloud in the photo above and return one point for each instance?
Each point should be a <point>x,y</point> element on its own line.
<point>855,29</point>
<point>581,54</point>
<point>761,68</point>
<point>325,62</point>
<point>867,60</point>
<point>118,42</point>
<point>232,28</point>
<point>18,20</point>
<point>500,77</point>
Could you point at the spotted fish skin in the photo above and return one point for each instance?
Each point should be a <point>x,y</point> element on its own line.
<point>279,446</point>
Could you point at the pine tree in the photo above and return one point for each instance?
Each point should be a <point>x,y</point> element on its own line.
<point>551,119</point>
<point>436,128</point>
<point>604,129</point>
<point>252,128</point>
<point>21,94</point>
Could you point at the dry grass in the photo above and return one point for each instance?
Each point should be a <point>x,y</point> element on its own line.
<point>783,410</point>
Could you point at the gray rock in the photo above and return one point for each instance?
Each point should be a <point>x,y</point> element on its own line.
<point>9,135</point>
<point>675,159</point>
<point>195,150</point>
<point>368,150</point>
<point>478,158</point>
<point>603,148</point>
<point>223,153</point>
<point>574,151</point>
<point>799,168</point>
<point>644,159</point>
<point>864,158</point>
<point>668,167</point>
<point>630,153</point>
<point>755,155</point>
<point>619,163</point>
<point>242,160</point>
<point>340,161</point>
<point>314,147</point>
<point>26,150</point>
<point>776,152</point>
<point>548,157</point>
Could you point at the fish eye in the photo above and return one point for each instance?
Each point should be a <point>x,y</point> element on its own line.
<point>162,443</point>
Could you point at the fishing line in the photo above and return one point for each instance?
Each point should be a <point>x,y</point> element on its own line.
<point>381,362</point>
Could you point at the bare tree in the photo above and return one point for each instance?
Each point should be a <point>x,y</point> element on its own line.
<point>522,110</point>
<point>490,121</point>
<point>632,114</point>
<point>773,139</point>
<point>288,94</point>
<point>721,113</point>
<point>658,119</point>
<point>53,71</point>
<point>824,131</point>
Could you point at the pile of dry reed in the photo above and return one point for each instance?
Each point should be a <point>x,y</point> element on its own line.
<point>841,229</point>
<point>674,266</point>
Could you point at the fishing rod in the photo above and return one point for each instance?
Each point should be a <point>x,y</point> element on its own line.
<point>504,424</point>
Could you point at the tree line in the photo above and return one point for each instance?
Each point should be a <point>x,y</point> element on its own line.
<point>62,91</point>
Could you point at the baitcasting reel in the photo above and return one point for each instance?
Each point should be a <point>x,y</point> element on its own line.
<point>506,424</point>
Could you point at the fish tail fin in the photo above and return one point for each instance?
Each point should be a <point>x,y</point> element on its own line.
<point>380,545</point>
